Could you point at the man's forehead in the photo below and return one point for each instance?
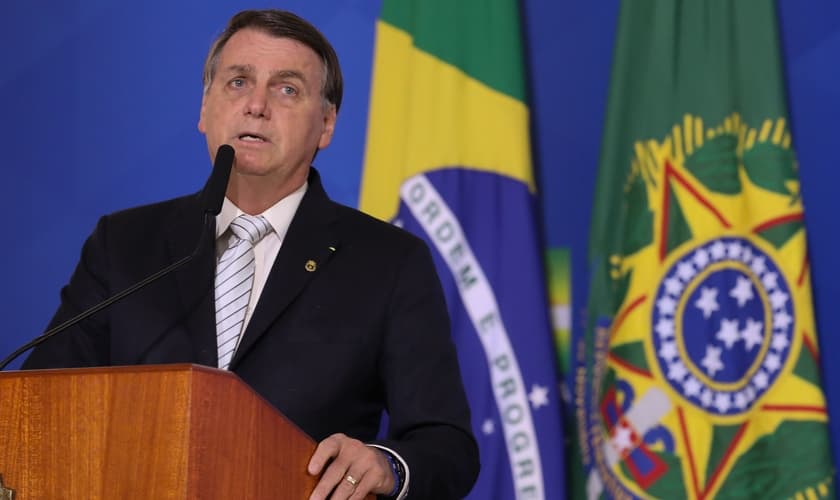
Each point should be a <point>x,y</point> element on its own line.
<point>253,41</point>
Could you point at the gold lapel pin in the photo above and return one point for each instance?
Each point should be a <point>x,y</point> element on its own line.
<point>311,265</point>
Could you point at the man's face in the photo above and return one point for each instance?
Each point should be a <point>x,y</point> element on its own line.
<point>265,101</point>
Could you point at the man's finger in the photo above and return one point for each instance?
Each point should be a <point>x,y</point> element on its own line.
<point>365,486</point>
<point>348,485</point>
<point>326,450</point>
<point>334,480</point>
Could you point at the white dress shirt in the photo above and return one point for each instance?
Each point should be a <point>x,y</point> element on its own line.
<point>280,217</point>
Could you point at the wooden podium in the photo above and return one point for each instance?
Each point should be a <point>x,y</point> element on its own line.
<point>142,432</point>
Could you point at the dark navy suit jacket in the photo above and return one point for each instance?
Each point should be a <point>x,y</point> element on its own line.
<point>366,331</point>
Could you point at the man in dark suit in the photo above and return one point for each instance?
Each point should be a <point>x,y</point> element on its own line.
<point>337,317</point>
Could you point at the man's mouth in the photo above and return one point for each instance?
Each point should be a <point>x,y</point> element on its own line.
<point>251,137</point>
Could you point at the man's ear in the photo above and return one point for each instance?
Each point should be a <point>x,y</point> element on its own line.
<point>201,127</point>
<point>329,127</point>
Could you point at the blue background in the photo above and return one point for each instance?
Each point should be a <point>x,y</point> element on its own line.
<point>100,102</point>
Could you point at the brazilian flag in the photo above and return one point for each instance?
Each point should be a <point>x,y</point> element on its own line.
<point>448,158</point>
<point>700,375</point>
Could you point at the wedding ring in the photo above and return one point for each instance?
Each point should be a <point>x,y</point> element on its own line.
<point>350,479</point>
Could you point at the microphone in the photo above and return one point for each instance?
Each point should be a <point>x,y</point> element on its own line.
<point>213,194</point>
<point>212,197</point>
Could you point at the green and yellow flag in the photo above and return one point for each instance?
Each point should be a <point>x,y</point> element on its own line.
<point>448,158</point>
<point>700,371</point>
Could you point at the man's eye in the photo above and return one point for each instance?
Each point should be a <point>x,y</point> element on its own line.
<point>288,90</point>
<point>237,83</point>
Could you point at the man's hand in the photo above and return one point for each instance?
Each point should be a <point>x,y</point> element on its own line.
<point>355,470</point>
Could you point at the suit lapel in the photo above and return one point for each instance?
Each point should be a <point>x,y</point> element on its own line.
<point>308,245</point>
<point>195,280</point>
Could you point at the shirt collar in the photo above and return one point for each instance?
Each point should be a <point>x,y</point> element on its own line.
<point>278,215</point>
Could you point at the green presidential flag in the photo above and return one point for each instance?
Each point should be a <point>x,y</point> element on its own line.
<point>699,373</point>
<point>448,158</point>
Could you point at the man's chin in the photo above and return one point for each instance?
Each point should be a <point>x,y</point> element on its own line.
<point>268,173</point>
<point>251,170</point>
<point>247,163</point>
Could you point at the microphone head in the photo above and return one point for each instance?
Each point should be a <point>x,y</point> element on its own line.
<point>214,191</point>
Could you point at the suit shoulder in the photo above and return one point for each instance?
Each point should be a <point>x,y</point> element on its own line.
<point>145,224</point>
<point>361,225</point>
<point>155,210</point>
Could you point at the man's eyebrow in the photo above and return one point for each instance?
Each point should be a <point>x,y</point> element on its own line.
<point>239,68</point>
<point>288,73</point>
<point>279,74</point>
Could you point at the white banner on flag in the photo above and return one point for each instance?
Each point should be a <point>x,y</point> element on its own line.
<point>443,228</point>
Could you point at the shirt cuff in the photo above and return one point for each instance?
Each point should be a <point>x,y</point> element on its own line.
<point>404,489</point>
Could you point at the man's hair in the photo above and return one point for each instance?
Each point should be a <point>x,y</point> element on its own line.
<point>282,24</point>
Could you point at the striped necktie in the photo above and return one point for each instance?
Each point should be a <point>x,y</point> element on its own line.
<point>234,281</point>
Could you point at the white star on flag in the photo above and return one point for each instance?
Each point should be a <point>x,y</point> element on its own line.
<point>668,351</point>
<point>722,402</point>
<point>701,258</point>
<point>538,396</point>
<point>760,380</point>
<point>685,271</point>
<point>747,256</point>
<point>728,333</point>
<point>707,301</point>
<point>781,320</point>
<point>673,286</point>
<point>752,334</point>
<point>665,328</point>
<point>718,250</point>
<point>742,292</point>
<point>770,280</point>
<point>740,401</point>
<point>706,397</point>
<point>734,250</point>
<point>772,362</point>
<point>758,265</point>
<point>780,342</point>
<point>488,427</point>
<point>778,299</point>
<point>677,371</point>
<point>666,306</point>
<point>711,361</point>
<point>691,387</point>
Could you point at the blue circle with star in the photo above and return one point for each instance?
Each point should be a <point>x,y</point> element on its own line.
<point>723,323</point>
<point>734,326</point>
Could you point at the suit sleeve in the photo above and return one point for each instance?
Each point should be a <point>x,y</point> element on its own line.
<point>429,418</point>
<point>85,344</point>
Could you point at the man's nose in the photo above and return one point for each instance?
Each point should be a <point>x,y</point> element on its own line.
<point>257,104</point>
